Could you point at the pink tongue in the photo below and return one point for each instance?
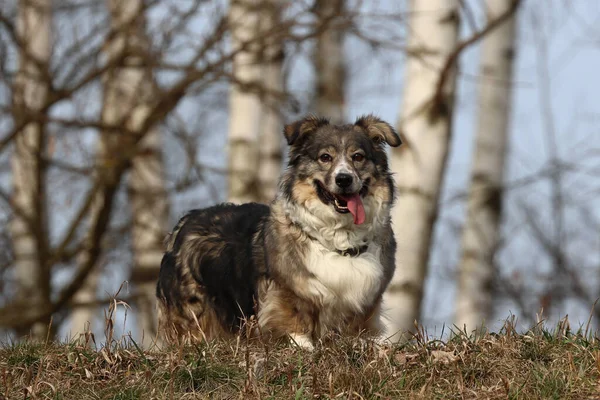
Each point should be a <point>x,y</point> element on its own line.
<point>355,206</point>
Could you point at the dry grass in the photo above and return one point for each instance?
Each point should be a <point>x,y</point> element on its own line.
<point>540,364</point>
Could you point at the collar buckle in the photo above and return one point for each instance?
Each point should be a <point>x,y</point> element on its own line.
<point>352,251</point>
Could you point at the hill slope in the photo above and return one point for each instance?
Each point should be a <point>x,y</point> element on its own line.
<point>536,365</point>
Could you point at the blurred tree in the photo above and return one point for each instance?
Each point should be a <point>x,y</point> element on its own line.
<point>481,231</point>
<point>329,62</point>
<point>426,121</point>
<point>84,306</point>
<point>257,100</point>
<point>244,100</point>
<point>29,221</point>
<point>271,119</point>
<point>126,86</point>
<point>131,86</point>
<point>552,211</point>
<point>426,124</point>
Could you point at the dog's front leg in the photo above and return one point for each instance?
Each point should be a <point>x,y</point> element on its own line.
<point>372,324</point>
<point>284,315</point>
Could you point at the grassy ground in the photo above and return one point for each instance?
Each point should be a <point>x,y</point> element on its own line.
<point>540,364</point>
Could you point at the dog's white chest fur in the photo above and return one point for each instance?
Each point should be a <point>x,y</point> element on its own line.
<point>344,285</point>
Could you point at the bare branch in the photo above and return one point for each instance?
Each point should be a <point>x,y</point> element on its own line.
<point>438,102</point>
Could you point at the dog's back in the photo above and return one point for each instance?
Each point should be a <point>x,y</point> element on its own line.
<point>208,271</point>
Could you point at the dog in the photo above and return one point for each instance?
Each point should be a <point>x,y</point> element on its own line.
<point>317,259</point>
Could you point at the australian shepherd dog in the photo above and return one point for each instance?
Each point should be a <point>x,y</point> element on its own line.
<point>317,259</point>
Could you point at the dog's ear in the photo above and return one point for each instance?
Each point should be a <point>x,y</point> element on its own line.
<point>296,130</point>
<point>379,131</point>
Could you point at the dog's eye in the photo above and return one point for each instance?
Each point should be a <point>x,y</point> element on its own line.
<point>358,157</point>
<point>325,158</point>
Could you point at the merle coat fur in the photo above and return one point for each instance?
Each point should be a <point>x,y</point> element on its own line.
<point>317,259</point>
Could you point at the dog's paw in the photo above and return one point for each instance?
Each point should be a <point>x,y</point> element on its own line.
<point>302,341</point>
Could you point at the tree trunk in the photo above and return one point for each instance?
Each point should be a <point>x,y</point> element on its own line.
<point>329,61</point>
<point>28,226</point>
<point>126,89</point>
<point>150,208</point>
<point>244,101</point>
<point>481,231</point>
<point>419,164</point>
<point>84,308</point>
<point>147,193</point>
<point>271,121</point>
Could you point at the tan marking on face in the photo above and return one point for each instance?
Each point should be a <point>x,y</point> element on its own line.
<point>380,189</point>
<point>328,150</point>
<point>303,192</point>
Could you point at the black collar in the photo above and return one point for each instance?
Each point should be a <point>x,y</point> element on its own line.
<point>353,251</point>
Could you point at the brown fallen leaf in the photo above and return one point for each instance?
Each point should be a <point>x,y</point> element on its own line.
<point>404,358</point>
<point>444,357</point>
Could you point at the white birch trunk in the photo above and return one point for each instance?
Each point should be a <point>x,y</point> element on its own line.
<point>271,121</point>
<point>330,69</point>
<point>147,193</point>
<point>419,164</point>
<point>481,231</point>
<point>244,103</point>
<point>28,225</point>
<point>125,90</point>
<point>150,208</point>
<point>84,307</point>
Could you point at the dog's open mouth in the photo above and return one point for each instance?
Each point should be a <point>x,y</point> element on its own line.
<point>347,203</point>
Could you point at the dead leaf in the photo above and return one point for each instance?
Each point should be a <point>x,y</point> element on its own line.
<point>404,358</point>
<point>444,357</point>
<point>106,357</point>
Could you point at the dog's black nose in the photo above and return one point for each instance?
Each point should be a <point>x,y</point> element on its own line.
<point>343,180</point>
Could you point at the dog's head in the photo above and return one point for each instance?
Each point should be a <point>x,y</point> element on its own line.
<point>341,165</point>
